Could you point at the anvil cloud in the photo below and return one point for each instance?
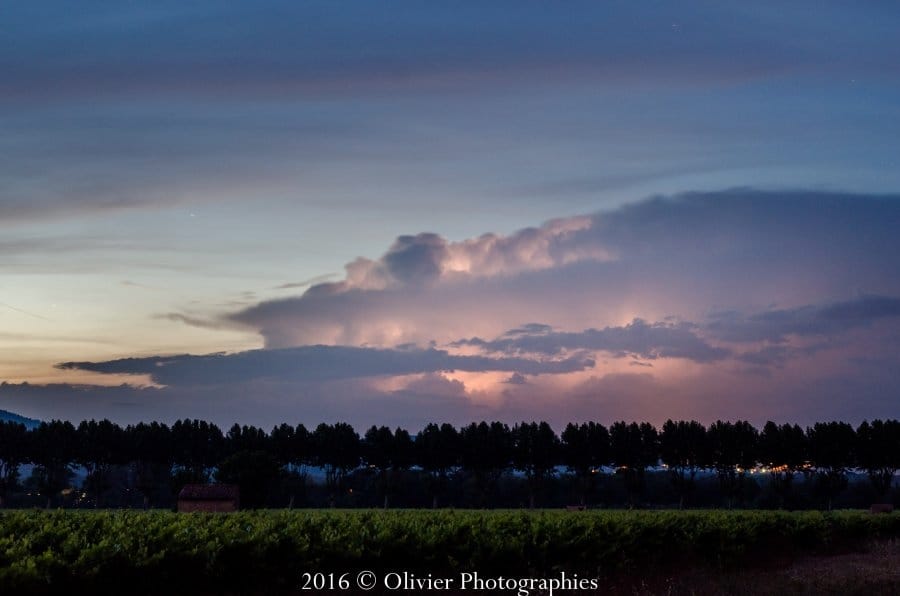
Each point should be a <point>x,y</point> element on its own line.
<point>699,303</point>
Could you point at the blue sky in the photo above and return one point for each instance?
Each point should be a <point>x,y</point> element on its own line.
<point>172,173</point>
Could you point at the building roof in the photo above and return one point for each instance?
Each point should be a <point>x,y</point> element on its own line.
<point>209,492</point>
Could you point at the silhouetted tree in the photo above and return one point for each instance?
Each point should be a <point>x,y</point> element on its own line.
<point>149,449</point>
<point>535,452</point>
<point>585,450</point>
<point>13,453</point>
<point>404,456</point>
<point>486,452</point>
<point>197,448</point>
<point>337,450</point>
<point>733,449</point>
<point>831,448</point>
<point>878,452</point>
<point>245,438</point>
<point>380,451</point>
<point>255,472</point>
<point>292,447</point>
<point>634,448</point>
<point>684,450</point>
<point>437,450</point>
<point>783,450</point>
<point>52,448</point>
<point>101,445</point>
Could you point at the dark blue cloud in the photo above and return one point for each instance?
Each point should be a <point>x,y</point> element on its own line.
<point>317,364</point>
<point>60,49</point>
<point>638,338</point>
<point>416,259</point>
<point>777,325</point>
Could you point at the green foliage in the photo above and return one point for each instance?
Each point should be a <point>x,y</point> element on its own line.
<point>266,551</point>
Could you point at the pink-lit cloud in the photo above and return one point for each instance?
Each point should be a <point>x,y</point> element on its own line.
<point>737,304</point>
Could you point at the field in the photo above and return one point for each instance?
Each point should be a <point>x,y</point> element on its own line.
<point>268,551</point>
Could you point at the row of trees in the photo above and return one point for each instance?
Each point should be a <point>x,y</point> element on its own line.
<point>196,451</point>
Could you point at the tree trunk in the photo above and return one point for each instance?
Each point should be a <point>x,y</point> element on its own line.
<point>434,501</point>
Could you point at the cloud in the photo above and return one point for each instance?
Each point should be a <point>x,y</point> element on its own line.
<point>516,379</point>
<point>747,303</point>
<point>638,338</point>
<point>416,400</point>
<point>24,312</point>
<point>313,49</point>
<point>305,283</point>
<point>686,256</point>
<point>191,321</point>
<point>416,259</point>
<point>318,364</point>
<point>766,290</point>
<point>776,325</point>
<point>529,329</point>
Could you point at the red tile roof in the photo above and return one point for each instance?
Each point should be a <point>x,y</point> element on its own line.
<point>209,492</point>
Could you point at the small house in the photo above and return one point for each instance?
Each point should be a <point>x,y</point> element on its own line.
<point>217,498</point>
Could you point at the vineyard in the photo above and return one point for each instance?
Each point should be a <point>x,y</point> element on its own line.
<point>268,551</point>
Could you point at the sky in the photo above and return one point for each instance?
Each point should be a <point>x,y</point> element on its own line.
<point>299,211</point>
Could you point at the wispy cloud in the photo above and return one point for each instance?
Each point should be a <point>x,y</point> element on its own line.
<point>295,285</point>
<point>24,312</point>
<point>315,49</point>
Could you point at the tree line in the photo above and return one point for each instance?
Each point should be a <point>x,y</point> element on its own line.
<point>153,460</point>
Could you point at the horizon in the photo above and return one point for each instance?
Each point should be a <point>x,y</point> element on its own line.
<point>505,212</point>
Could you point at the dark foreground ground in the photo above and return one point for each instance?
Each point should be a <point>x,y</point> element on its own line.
<point>873,572</point>
<point>876,571</point>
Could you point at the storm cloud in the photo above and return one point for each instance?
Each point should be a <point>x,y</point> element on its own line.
<point>759,304</point>
<point>638,338</point>
<point>777,325</point>
<point>316,363</point>
<point>763,256</point>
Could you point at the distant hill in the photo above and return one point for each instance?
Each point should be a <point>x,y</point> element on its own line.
<point>28,422</point>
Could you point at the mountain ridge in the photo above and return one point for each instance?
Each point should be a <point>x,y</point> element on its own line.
<point>29,423</point>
